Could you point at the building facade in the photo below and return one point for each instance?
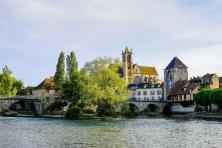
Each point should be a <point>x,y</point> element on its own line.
<point>183,91</point>
<point>210,81</point>
<point>146,92</point>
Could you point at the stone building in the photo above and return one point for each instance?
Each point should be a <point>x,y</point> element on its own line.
<point>174,72</point>
<point>133,73</point>
<point>209,81</point>
<point>178,90</point>
<point>47,92</point>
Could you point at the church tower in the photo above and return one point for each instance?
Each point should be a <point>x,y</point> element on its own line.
<point>174,72</point>
<point>127,62</point>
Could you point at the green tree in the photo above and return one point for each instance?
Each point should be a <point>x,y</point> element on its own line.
<point>9,85</point>
<point>105,88</point>
<point>74,81</point>
<point>59,77</point>
<point>204,98</point>
<point>72,65</point>
<point>216,98</point>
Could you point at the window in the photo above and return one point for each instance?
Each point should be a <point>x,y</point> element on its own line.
<point>152,98</point>
<point>152,92</point>
<point>159,92</point>
<point>133,93</point>
<point>144,93</point>
<point>144,98</point>
<point>139,93</point>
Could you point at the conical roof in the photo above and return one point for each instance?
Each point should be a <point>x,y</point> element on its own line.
<point>176,63</point>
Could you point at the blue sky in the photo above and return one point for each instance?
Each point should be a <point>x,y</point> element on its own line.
<point>34,32</point>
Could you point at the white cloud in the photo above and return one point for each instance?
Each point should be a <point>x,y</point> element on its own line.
<point>156,30</point>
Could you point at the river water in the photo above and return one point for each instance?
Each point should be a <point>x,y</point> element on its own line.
<point>157,133</point>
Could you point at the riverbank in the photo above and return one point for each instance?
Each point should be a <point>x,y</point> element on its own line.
<point>202,116</point>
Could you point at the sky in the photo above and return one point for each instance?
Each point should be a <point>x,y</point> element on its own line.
<point>34,32</point>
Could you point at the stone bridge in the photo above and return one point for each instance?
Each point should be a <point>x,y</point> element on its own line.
<point>21,103</point>
<point>152,106</point>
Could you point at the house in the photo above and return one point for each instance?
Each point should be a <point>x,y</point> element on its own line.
<point>134,73</point>
<point>146,92</point>
<point>47,92</point>
<point>183,91</point>
<point>210,81</point>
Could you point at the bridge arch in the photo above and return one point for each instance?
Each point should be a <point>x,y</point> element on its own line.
<point>17,106</point>
<point>133,107</point>
<point>153,108</point>
<point>30,106</point>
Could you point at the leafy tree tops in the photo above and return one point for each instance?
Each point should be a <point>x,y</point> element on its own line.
<point>59,77</point>
<point>71,65</point>
<point>9,85</point>
<point>208,97</point>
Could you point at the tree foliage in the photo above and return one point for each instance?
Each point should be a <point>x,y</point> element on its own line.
<point>71,65</point>
<point>72,88</point>
<point>9,85</point>
<point>59,77</point>
<point>105,88</point>
<point>208,97</point>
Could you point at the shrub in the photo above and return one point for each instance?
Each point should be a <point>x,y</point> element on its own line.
<point>73,112</point>
<point>88,110</point>
<point>105,108</point>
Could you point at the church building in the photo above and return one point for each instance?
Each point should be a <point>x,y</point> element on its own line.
<point>134,73</point>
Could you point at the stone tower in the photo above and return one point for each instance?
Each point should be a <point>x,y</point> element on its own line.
<point>127,62</point>
<point>174,72</point>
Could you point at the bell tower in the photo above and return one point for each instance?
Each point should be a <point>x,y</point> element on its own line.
<point>127,62</point>
<point>174,72</point>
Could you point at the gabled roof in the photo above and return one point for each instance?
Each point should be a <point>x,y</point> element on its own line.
<point>26,91</point>
<point>176,63</point>
<point>145,70</point>
<point>208,75</point>
<point>48,84</point>
<point>182,88</point>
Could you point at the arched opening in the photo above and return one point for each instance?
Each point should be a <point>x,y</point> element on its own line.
<point>18,106</point>
<point>133,108</point>
<point>167,110</point>
<point>24,107</point>
<point>153,108</point>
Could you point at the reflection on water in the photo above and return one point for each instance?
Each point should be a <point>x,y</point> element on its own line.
<point>39,132</point>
